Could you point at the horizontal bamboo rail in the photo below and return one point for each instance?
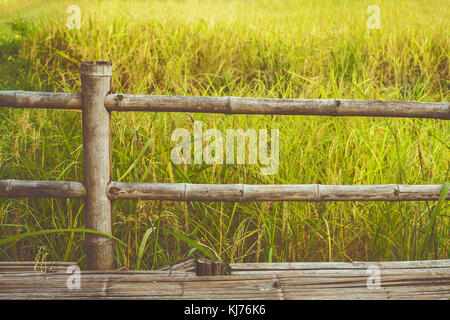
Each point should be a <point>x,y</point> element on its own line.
<point>41,189</point>
<point>224,192</point>
<point>286,192</point>
<point>232,105</point>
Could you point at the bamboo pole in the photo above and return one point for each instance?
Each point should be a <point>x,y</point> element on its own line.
<point>233,105</point>
<point>224,192</point>
<point>41,189</point>
<point>245,193</point>
<point>95,84</point>
<point>47,100</point>
<point>320,107</point>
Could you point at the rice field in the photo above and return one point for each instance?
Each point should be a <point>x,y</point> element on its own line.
<point>269,49</point>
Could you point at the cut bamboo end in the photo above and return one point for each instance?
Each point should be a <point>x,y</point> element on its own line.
<point>95,85</point>
<point>96,68</point>
<point>208,267</point>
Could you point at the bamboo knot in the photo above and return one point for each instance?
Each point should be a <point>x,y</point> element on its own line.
<point>183,195</point>
<point>337,104</point>
<point>119,98</point>
<point>448,110</point>
<point>228,109</point>
<point>396,191</point>
<point>112,191</point>
<point>18,99</point>
<point>241,192</point>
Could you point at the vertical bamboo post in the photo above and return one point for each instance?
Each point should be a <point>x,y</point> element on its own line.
<point>95,85</point>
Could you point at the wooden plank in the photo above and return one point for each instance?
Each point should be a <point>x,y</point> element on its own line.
<point>34,263</point>
<point>297,266</point>
<point>398,280</point>
<point>233,105</point>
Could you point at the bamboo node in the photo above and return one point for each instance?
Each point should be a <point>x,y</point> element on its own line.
<point>183,195</point>
<point>18,98</point>
<point>119,98</point>
<point>228,109</point>
<point>337,104</point>
<point>113,191</point>
<point>396,191</point>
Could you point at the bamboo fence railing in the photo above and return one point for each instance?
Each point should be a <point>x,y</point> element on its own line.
<point>226,193</point>
<point>232,105</point>
<point>98,190</point>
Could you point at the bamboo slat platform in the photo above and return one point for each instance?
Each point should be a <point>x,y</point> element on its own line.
<point>340,280</point>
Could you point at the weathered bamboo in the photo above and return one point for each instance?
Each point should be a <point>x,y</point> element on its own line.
<point>233,105</point>
<point>244,193</point>
<point>224,192</point>
<point>41,189</point>
<point>187,265</point>
<point>398,280</point>
<point>47,100</point>
<point>95,84</point>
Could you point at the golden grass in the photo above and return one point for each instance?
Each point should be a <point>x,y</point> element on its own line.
<point>289,49</point>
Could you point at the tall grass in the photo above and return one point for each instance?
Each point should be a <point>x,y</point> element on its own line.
<point>285,49</point>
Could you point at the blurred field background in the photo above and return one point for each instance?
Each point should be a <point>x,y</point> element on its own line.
<point>275,49</point>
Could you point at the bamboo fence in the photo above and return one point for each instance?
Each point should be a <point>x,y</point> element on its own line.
<point>98,190</point>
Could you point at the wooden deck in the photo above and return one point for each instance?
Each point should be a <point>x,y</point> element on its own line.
<point>340,280</point>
